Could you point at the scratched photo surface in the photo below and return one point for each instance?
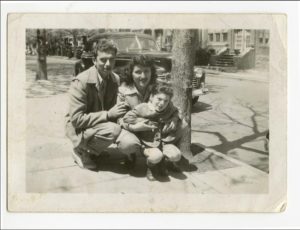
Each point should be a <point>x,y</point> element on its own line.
<point>236,157</point>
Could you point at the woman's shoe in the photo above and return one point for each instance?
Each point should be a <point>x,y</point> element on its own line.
<point>130,161</point>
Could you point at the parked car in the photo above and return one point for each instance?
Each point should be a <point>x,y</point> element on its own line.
<point>131,44</point>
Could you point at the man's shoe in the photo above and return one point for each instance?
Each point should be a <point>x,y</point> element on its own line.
<point>149,174</point>
<point>83,159</point>
<point>130,161</point>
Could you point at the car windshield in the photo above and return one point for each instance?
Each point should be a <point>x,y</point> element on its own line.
<point>136,43</point>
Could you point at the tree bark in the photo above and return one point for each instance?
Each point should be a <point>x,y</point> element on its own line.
<point>184,46</point>
<point>41,56</point>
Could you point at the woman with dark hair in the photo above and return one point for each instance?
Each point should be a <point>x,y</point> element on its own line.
<point>135,89</point>
<point>138,82</point>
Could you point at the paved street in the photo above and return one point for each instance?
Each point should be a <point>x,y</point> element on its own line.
<point>233,119</point>
<point>229,125</point>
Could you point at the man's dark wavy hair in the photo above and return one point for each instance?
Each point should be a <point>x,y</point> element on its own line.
<point>104,45</point>
<point>144,61</point>
<point>163,87</point>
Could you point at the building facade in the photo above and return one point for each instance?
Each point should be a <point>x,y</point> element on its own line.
<point>237,40</point>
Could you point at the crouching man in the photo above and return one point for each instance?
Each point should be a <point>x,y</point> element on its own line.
<point>92,113</point>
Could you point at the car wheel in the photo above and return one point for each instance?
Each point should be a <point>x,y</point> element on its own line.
<point>195,100</point>
<point>78,53</point>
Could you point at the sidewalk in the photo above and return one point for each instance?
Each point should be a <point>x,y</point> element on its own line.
<point>50,167</point>
<point>214,173</point>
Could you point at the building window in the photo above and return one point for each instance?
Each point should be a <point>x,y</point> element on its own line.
<point>261,40</point>
<point>148,31</point>
<point>211,37</point>
<point>248,40</point>
<point>217,37</point>
<point>225,37</point>
<point>267,37</point>
<point>158,32</point>
<point>266,40</point>
<point>124,30</point>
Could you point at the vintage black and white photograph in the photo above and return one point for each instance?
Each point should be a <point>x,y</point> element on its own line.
<point>147,111</point>
<point>107,111</point>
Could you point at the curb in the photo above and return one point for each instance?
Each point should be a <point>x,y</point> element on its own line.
<point>234,161</point>
<point>223,75</point>
<point>236,75</point>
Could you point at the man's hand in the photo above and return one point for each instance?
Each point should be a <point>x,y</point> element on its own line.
<point>117,111</point>
<point>142,126</point>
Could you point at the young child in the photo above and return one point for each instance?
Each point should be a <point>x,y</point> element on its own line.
<point>158,142</point>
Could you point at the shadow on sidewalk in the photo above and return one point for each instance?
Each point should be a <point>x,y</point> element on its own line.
<point>201,107</point>
<point>116,163</point>
<point>201,162</point>
<point>227,146</point>
<point>206,161</point>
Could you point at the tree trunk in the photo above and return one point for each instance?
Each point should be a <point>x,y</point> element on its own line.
<point>41,56</point>
<point>184,42</point>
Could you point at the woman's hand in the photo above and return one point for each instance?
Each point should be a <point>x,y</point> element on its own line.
<point>142,126</point>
